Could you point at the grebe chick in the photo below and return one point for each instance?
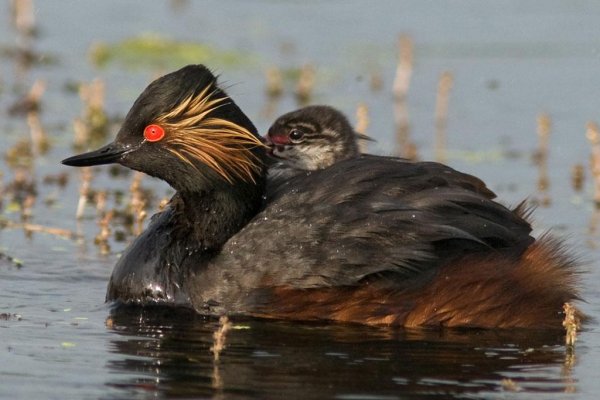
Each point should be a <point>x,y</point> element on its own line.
<point>313,137</point>
<point>373,240</point>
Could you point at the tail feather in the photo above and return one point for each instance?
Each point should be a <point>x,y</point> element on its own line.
<point>527,290</point>
<point>496,291</point>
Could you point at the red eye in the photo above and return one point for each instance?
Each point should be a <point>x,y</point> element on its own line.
<point>154,133</point>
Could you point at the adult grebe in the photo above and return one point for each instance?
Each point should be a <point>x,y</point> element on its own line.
<point>374,240</point>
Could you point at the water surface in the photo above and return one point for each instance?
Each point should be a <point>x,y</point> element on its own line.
<point>510,61</point>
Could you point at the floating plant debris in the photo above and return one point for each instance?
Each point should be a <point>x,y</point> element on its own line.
<point>101,240</point>
<point>509,385</point>
<point>362,124</point>
<point>9,316</point>
<point>60,179</point>
<point>404,145</point>
<point>28,227</point>
<point>93,126</point>
<point>12,260</point>
<point>441,115</point>
<point>219,337</point>
<point>154,51</point>
<point>571,324</point>
<point>544,126</point>
<point>274,78</point>
<point>306,84</point>
<point>577,177</point>
<point>30,102</point>
<point>19,155</point>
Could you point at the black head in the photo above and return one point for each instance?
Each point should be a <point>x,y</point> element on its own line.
<point>313,137</point>
<point>185,130</point>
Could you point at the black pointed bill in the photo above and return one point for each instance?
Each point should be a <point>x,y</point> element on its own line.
<point>108,154</point>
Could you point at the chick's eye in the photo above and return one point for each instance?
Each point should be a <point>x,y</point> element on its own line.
<point>154,133</point>
<point>296,134</point>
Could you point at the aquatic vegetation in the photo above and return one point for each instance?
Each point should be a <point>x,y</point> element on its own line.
<point>155,51</point>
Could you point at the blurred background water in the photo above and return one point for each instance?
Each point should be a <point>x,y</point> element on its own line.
<point>509,61</point>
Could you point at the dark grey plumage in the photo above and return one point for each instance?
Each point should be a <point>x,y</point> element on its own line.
<point>365,235</point>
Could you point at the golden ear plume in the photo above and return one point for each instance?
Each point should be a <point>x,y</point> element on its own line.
<point>221,144</point>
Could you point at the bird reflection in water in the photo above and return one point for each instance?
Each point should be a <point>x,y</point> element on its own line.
<point>168,352</point>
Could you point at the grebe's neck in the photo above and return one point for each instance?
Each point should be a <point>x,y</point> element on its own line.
<point>209,217</point>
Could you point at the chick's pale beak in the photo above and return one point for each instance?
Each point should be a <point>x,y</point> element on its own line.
<point>108,154</point>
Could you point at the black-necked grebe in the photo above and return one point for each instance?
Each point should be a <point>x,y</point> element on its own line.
<point>313,137</point>
<point>369,239</point>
